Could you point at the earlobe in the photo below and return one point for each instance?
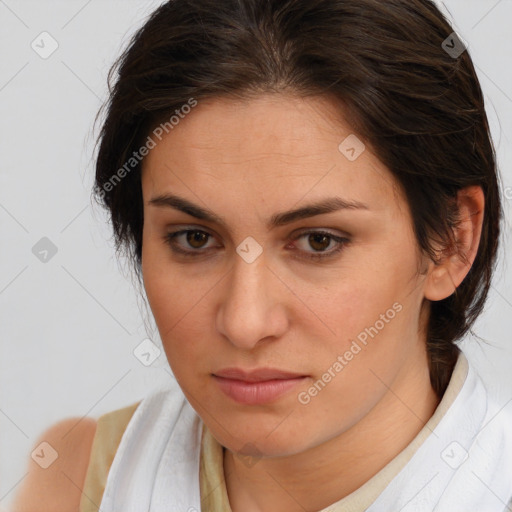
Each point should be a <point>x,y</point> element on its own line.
<point>445,276</point>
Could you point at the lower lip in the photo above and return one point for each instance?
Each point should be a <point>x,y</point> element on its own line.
<point>254,393</point>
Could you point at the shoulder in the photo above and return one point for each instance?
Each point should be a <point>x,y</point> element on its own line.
<point>71,459</point>
<point>57,467</point>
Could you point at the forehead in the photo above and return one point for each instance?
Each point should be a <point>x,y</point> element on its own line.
<point>273,144</point>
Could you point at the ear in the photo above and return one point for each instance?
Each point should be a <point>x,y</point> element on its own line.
<point>444,277</point>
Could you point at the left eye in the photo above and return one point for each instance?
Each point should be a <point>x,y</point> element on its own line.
<point>324,244</point>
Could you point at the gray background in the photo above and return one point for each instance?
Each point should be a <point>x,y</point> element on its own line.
<point>69,325</point>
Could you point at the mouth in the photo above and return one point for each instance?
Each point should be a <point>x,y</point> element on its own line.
<point>255,387</point>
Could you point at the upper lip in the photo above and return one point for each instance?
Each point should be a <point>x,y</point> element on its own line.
<point>257,375</point>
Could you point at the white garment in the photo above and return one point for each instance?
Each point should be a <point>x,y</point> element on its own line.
<point>465,465</point>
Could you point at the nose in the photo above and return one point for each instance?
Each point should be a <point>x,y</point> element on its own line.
<point>252,307</point>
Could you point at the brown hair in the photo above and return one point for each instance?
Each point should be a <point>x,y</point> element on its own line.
<point>419,108</point>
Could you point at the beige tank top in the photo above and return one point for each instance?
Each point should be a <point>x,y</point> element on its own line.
<point>214,497</point>
<point>109,431</point>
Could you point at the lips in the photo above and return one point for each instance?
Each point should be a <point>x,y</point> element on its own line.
<point>257,375</point>
<point>256,387</point>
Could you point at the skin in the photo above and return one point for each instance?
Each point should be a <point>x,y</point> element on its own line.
<point>246,161</point>
<point>57,488</point>
<point>220,311</point>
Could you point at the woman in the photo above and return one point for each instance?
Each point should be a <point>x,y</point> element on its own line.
<point>308,192</point>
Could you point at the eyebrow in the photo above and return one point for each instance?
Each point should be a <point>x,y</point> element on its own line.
<point>279,219</point>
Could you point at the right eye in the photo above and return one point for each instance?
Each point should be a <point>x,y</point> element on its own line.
<point>190,242</point>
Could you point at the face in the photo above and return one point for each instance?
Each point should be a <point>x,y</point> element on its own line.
<point>332,296</point>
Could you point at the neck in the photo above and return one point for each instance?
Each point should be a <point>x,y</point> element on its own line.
<point>313,479</point>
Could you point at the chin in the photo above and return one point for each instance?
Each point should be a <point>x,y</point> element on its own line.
<point>258,439</point>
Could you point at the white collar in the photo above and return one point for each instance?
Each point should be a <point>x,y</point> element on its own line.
<point>465,465</point>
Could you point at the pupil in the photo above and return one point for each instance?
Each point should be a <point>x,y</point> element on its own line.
<point>318,241</point>
<point>194,237</point>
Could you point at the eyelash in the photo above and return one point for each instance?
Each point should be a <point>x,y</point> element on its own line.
<point>169,239</point>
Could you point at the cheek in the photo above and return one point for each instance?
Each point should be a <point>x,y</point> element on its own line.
<point>351,305</point>
<point>178,304</point>
<point>169,290</point>
<point>371,315</point>
<point>166,295</point>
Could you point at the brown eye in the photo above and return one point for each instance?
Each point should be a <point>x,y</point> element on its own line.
<point>197,239</point>
<point>191,242</point>
<point>317,245</point>
<point>319,241</point>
